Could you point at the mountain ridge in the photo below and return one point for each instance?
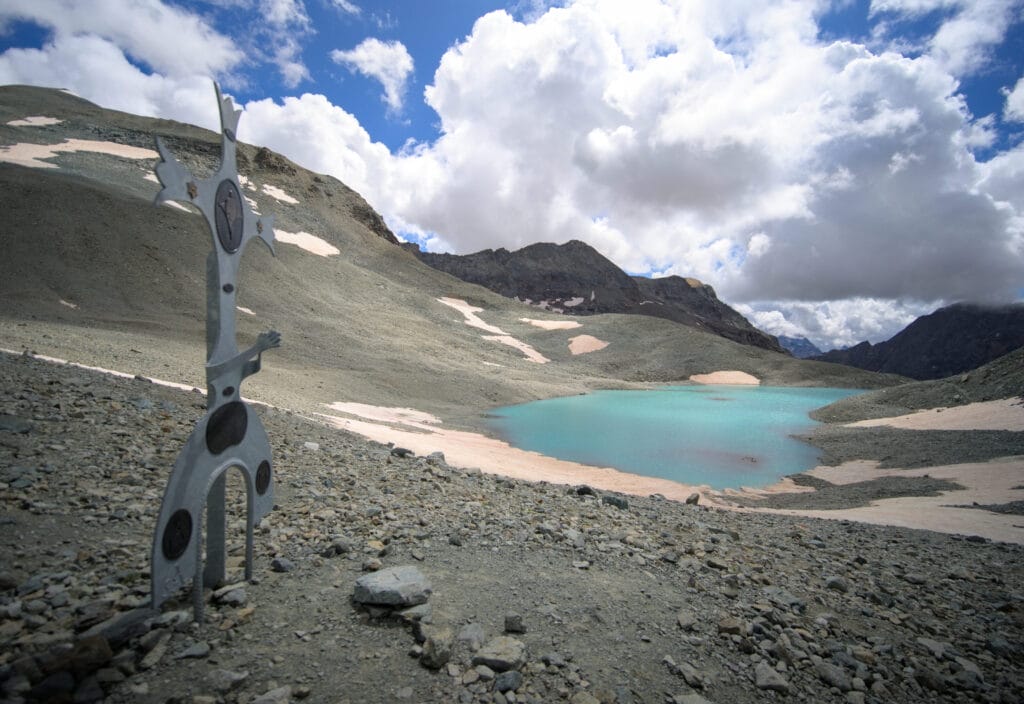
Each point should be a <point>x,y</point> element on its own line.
<point>951,340</point>
<point>575,279</point>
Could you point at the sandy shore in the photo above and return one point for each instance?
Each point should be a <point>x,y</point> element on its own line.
<point>423,434</point>
<point>987,483</point>
<point>1004,414</point>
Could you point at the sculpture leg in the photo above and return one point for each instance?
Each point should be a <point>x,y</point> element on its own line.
<point>216,534</point>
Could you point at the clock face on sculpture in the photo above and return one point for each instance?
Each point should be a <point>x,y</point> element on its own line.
<point>229,216</point>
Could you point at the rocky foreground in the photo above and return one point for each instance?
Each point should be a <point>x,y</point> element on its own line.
<point>494,590</point>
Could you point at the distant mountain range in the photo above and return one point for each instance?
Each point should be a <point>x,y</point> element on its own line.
<point>575,279</point>
<point>799,347</point>
<point>949,341</point>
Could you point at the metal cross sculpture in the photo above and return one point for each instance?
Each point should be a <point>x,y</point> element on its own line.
<point>230,434</point>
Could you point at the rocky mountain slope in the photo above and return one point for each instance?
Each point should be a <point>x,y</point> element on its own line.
<point>799,347</point>
<point>575,279</point>
<point>94,272</point>
<point>949,341</point>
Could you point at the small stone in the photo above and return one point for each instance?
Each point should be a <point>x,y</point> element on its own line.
<point>915,579</point>
<point>584,698</point>
<point>501,654</point>
<point>196,651</point>
<point>472,635</point>
<point>157,651</point>
<point>693,499</point>
<point>767,677</point>
<point>553,660</point>
<point>311,446</point>
<point>616,501</point>
<point>235,597</point>
<point>833,676</point>
<point>514,623</point>
<point>224,681</point>
<point>837,584</point>
<point>281,695</point>
<point>404,585</point>
<point>404,692</point>
<point>400,452</point>
<point>686,619</point>
<point>508,681</point>
<point>373,564</point>
<point>282,564</point>
<point>484,673</point>
<point>731,626</point>
<point>937,649</point>
<point>437,649</point>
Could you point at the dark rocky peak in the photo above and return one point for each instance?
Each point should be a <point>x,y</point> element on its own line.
<point>571,278</point>
<point>949,341</point>
<point>799,347</point>
<point>575,278</point>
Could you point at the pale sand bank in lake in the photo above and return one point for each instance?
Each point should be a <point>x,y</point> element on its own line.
<point>726,377</point>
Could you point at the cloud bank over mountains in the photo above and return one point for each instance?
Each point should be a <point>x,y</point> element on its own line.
<point>827,186</point>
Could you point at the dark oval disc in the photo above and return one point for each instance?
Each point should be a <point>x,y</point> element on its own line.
<point>177,534</point>
<point>228,216</point>
<point>226,427</point>
<point>263,477</point>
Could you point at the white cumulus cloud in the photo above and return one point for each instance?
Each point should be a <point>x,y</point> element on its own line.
<point>169,39</point>
<point>387,62</point>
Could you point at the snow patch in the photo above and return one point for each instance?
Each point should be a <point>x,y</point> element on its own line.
<point>308,242</point>
<point>552,324</point>
<point>31,155</point>
<point>469,312</point>
<point>35,121</point>
<point>279,194</point>
<point>585,344</point>
<point>245,310</point>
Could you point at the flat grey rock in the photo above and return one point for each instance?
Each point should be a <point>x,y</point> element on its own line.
<point>404,585</point>
<point>501,654</point>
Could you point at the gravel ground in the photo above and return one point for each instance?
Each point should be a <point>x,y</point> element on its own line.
<point>538,592</point>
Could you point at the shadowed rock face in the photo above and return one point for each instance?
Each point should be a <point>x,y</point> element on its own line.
<point>951,340</point>
<point>574,278</point>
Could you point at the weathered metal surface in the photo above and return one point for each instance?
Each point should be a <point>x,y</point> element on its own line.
<point>230,434</point>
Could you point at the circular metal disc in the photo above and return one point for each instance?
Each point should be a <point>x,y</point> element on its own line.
<point>263,478</point>
<point>229,216</point>
<point>177,534</point>
<point>226,427</point>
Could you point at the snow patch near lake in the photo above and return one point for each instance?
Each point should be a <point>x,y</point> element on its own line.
<point>469,312</point>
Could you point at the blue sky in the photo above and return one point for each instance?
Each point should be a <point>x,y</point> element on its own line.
<point>834,169</point>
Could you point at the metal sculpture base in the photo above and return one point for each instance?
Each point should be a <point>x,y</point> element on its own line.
<point>231,434</point>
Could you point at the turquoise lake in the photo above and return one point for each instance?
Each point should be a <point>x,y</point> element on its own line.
<point>723,436</point>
